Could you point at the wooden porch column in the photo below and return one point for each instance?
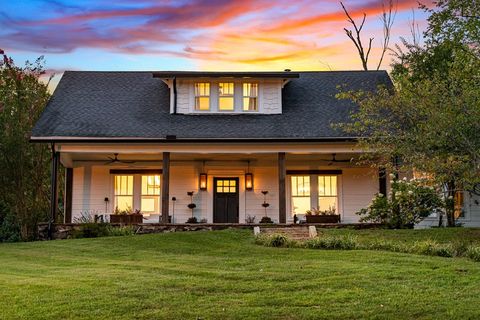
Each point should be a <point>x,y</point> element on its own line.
<point>68,194</point>
<point>165,186</point>
<point>282,201</point>
<point>53,191</point>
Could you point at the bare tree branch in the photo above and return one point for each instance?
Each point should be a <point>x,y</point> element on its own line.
<point>388,18</point>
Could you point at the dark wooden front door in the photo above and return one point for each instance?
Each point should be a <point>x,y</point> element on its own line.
<point>225,200</point>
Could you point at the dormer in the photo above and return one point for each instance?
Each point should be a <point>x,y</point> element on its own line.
<point>225,92</point>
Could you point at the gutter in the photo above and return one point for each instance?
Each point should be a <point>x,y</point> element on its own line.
<point>172,139</point>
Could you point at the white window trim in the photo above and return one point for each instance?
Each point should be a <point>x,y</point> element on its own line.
<point>237,96</point>
<point>314,193</point>
<point>137,192</point>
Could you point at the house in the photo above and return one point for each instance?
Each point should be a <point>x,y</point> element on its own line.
<point>237,140</point>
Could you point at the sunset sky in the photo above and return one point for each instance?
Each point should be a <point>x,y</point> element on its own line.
<point>193,34</point>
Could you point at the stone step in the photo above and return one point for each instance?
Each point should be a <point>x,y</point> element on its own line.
<point>295,233</point>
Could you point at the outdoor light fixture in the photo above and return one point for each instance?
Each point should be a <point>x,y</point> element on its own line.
<point>203,178</point>
<point>248,179</point>
<point>203,181</point>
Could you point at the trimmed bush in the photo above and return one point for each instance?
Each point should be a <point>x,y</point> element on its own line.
<point>347,242</point>
<point>91,230</point>
<point>473,253</point>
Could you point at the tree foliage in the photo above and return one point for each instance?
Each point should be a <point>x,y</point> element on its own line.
<point>430,119</point>
<point>24,167</point>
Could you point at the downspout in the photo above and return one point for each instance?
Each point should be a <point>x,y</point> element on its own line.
<point>174,95</point>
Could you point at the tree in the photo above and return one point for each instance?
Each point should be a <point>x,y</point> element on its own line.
<point>387,18</point>
<point>430,118</point>
<point>24,167</point>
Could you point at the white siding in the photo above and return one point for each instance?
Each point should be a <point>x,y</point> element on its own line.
<point>269,100</point>
<point>91,184</point>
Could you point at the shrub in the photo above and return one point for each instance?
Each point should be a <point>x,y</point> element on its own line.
<point>91,230</point>
<point>9,227</point>
<point>250,219</point>
<point>408,203</point>
<point>473,253</point>
<point>347,242</point>
<point>120,231</point>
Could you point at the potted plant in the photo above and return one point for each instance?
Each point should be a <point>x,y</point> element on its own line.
<point>191,206</point>
<point>265,205</point>
<point>322,216</point>
<point>127,216</point>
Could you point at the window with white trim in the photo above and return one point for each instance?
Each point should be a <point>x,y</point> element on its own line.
<point>226,96</point>
<point>319,192</point>
<point>123,193</point>
<point>202,96</point>
<point>250,96</point>
<point>150,198</point>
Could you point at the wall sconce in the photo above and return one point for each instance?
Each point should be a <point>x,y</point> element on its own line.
<point>248,179</point>
<point>203,181</point>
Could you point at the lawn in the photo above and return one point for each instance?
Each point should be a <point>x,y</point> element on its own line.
<point>224,275</point>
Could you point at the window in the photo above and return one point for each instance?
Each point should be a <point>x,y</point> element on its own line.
<point>314,192</point>
<point>150,198</point>
<point>327,193</point>
<point>202,96</point>
<point>123,193</point>
<point>226,186</point>
<point>458,202</point>
<point>300,194</point>
<point>225,96</point>
<point>250,96</point>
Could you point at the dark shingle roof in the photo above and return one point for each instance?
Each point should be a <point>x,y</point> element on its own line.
<point>136,105</point>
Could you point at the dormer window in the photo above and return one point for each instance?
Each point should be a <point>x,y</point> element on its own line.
<point>202,96</point>
<point>225,96</point>
<point>250,96</point>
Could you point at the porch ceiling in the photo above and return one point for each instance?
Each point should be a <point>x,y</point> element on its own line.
<point>95,158</point>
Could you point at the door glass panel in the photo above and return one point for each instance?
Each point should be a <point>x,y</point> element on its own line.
<point>226,186</point>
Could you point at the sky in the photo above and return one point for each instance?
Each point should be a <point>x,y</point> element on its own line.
<point>194,34</point>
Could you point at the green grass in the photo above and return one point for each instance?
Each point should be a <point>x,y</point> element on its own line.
<point>224,275</point>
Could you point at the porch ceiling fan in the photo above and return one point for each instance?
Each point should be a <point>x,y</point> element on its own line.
<point>115,159</point>
<point>335,160</point>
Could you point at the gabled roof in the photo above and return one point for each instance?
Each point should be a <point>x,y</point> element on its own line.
<point>136,106</point>
<point>225,74</point>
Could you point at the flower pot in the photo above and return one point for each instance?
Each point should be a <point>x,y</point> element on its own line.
<point>330,218</point>
<point>126,218</point>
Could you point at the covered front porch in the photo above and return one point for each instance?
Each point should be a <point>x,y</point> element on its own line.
<point>213,183</point>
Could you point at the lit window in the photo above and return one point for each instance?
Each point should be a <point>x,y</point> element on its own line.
<point>458,205</point>
<point>123,193</point>
<point>327,193</point>
<point>250,96</point>
<point>150,200</point>
<point>202,96</point>
<point>300,194</point>
<point>225,96</point>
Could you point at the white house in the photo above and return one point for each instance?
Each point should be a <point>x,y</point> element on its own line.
<point>143,140</point>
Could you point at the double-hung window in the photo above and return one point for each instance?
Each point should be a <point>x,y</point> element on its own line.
<point>250,96</point>
<point>137,191</point>
<point>316,191</point>
<point>123,190</point>
<point>202,96</point>
<point>226,96</point>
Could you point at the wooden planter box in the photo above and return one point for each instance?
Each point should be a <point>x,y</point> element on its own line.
<point>126,218</point>
<point>331,218</point>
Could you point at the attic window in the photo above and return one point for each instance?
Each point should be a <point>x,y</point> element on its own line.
<point>202,96</point>
<point>225,96</point>
<point>250,96</point>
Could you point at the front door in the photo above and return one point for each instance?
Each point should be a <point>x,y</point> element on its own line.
<point>225,200</point>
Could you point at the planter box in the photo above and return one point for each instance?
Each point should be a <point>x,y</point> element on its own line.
<point>126,218</point>
<point>331,218</point>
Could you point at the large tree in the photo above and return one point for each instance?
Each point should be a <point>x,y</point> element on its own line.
<point>24,167</point>
<point>430,119</point>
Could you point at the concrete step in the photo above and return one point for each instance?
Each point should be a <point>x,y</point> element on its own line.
<point>293,233</point>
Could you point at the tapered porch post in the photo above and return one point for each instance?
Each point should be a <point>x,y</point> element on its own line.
<point>53,191</point>
<point>165,186</point>
<point>282,201</point>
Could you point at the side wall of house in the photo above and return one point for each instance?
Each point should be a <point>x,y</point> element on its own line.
<point>92,184</point>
